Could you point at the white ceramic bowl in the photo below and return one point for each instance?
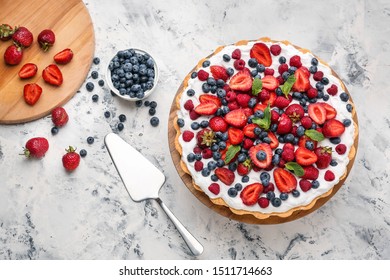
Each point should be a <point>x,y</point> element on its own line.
<point>126,96</point>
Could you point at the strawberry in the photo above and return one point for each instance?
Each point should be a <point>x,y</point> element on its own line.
<point>310,172</point>
<point>71,159</point>
<point>207,153</point>
<point>341,149</point>
<point>285,124</point>
<point>236,135</point>
<point>247,144</point>
<point>205,138</point>
<point>46,39</point>
<point>324,157</point>
<point>206,108</point>
<point>295,60</point>
<point>22,37</point>
<point>243,100</point>
<point>305,157</point>
<point>312,93</point>
<point>198,165</point>
<point>274,116</point>
<point>317,113</point>
<point>241,81</point>
<point>52,75</point>
<point>261,53</point>
<point>6,32</point>
<point>256,153</point>
<point>333,128</point>
<point>236,54</point>
<point>264,95</point>
<point>218,124</point>
<point>36,147</point>
<point>275,50</point>
<point>188,135</point>
<point>281,102</point>
<point>239,64</point>
<point>236,118</point>
<point>189,105</point>
<point>250,194</point>
<point>59,116</point>
<point>302,82</point>
<point>274,140</point>
<point>249,130</point>
<point>202,75</point>
<point>306,122</point>
<point>32,93</point>
<point>330,111</point>
<point>295,112</point>
<point>225,175</point>
<point>332,90</point>
<point>243,168</point>
<point>219,72</point>
<point>28,70</point>
<point>263,201</point>
<point>13,55</point>
<point>270,82</point>
<point>64,56</point>
<point>284,180</point>
<point>214,188</point>
<point>305,185</point>
<point>260,107</point>
<point>317,76</point>
<point>233,105</point>
<point>230,96</point>
<point>329,176</point>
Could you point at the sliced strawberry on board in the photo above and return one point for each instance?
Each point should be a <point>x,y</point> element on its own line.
<point>270,82</point>
<point>236,118</point>
<point>302,82</point>
<point>333,128</point>
<point>206,108</point>
<point>225,175</point>
<point>241,81</point>
<point>219,72</point>
<point>28,70</point>
<point>218,124</point>
<point>305,157</point>
<point>236,135</point>
<point>52,75</point>
<point>64,56</point>
<point>250,194</point>
<point>32,93</point>
<point>261,53</point>
<point>330,111</point>
<point>284,180</point>
<point>203,98</point>
<point>317,113</point>
<point>249,130</point>
<point>261,155</point>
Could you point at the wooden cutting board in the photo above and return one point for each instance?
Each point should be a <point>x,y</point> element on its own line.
<point>72,25</point>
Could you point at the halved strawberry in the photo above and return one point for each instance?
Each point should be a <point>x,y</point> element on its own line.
<point>32,93</point>
<point>284,180</point>
<point>225,175</point>
<point>249,130</point>
<point>243,168</point>
<point>261,53</point>
<point>219,72</point>
<point>64,56</point>
<point>218,124</point>
<point>333,128</point>
<point>236,118</point>
<point>260,107</point>
<point>274,140</point>
<point>250,194</point>
<point>206,108</point>
<point>28,70</point>
<point>305,157</point>
<point>330,111</point>
<point>241,81</point>
<point>302,82</point>
<point>270,82</point>
<point>52,75</point>
<point>203,98</point>
<point>317,113</point>
<point>255,155</point>
<point>235,135</point>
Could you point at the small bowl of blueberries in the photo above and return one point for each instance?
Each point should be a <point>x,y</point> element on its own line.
<point>132,74</point>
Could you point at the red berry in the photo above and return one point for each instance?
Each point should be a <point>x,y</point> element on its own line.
<point>269,188</point>
<point>306,122</point>
<point>282,68</point>
<point>263,202</point>
<point>233,105</point>
<point>198,165</point>
<point>288,146</point>
<point>295,61</point>
<point>341,149</point>
<point>59,116</point>
<point>269,72</point>
<point>188,135</point>
<point>318,76</point>
<point>247,144</point>
<point>275,49</point>
<point>197,150</point>
<point>203,75</point>
<point>305,185</point>
<point>230,96</point>
<point>189,105</point>
<point>71,159</point>
<point>194,115</point>
<point>239,64</point>
<point>214,188</point>
<point>36,147</point>
<point>332,90</point>
<point>236,54</point>
<point>264,95</point>
<point>329,176</point>
<point>207,153</point>
<point>288,155</point>
<point>312,93</point>
<point>310,173</point>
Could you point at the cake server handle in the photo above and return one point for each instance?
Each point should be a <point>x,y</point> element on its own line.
<point>192,243</point>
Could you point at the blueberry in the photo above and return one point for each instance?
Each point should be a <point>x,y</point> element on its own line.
<point>206,63</point>
<point>252,102</point>
<point>252,62</point>
<point>150,62</point>
<point>226,57</point>
<point>120,126</point>
<point>230,71</point>
<point>260,68</point>
<point>138,103</point>
<point>347,122</point>
<point>198,157</point>
<point>335,140</point>
<point>94,74</point>
<point>232,166</point>
<point>281,139</point>
<point>289,138</point>
<point>122,91</point>
<point>211,165</point>
<point>83,153</point>
<point>257,141</point>
<point>214,147</point>
<point>107,114</point>
<point>95,98</point>
<point>295,141</point>
<point>205,88</point>
<point>216,155</point>
<point>122,118</point>
<point>314,61</point>
<point>221,93</point>
<point>278,151</point>
<point>140,94</point>
<point>96,60</point>
<point>257,130</point>
<point>315,184</point>
<point>292,70</point>
<point>267,140</point>
<point>238,186</point>
<point>146,103</point>
<point>214,178</point>
<point>325,80</point>
<point>54,130</point>
<point>319,86</point>
<point>154,121</point>
<point>279,91</point>
<point>194,75</point>
<point>191,157</point>
<point>204,124</point>
<point>344,97</point>
<point>326,97</point>
<point>349,108</point>
<point>152,112</point>
<point>220,83</point>
<point>270,195</point>
<point>101,83</point>
<point>309,145</point>
<point>134,60</point>
<point>314,126</point>
<point>241,157</point>
<point>245,179</point>
<point>313,69</point>
<point>264,175</point>
<point>282,60</point>
<point>295,193</point>
<point>276,202</point>
<point>135,88</point>
<point>180,122</point>
<point>220,163</point>
<point>283,196</point>
<point>232,192</point>
<point>285,75</point>
<point>261,155</point>
<point>222,145</point>
<point>333,163</point>
<point>194,125</point>
<point>224,136</point>
<point>90,86</point>
<point>90,140</point>
<point>300,131</point>
<point>211,81</point>
<point>320,94</point>
<point>153,104</point>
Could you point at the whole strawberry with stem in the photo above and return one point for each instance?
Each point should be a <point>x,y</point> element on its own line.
<point>36,147</point>
<point>71,159</point>
<point>46,39</point>
<point>6,32</point>
<point>13,55</point>
<point>23,37</point>
<point>324,157</point>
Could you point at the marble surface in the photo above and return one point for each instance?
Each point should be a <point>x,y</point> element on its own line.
<point>47,213</point>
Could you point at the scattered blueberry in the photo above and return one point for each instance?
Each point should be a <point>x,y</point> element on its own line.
<point>325,80</point>
<point>122,118</point>
<point>333,163</point>
<point>194,75</point>
<point>283,196</point>
<point>335,140</point>
<point>154,121</point>
<point>138,103</point>
<point>94,74</point>
<point>226,57</point>
<point>232,166</point>
<point>180,122</point>
<point>152,111</point>
<point>95,98</point>
<point>211,165</point>
<point>90,140</point>
<point>347,122</point>
<point>313,69</point>
<point>349,108</point>
<point>214,178</point>
<point>245,179</point>
<point>241,157</point>
<point>326,97</point>
<point>309,145</point>
<point>252,62</point>
<point>107,114</point>
<point>314,61</point>
<point>153,104</point>
<point>194,125</point>
<point>282,60</point>
<point>96,60</point>
<point>232,192</point>
<point>230,71</point>
<point>54,130</point>
<point>220,163</point>
<point>198,156</point>
<point>205,87</point>
<point>206,63</point>
<point>120,126</point>
<point>191,157</point>
<point>260,68</point>
<point>205,172</point>
<point>270,195</point>
<point>344,97</point>
<point>204,124</point>
<point>300,131</point>
<point>315,184</point>
<point>83,153</point>
<point>238,187</point>
<point>295,193</point>
<point>90,86</point>
<point>147,103</point>
<point>276,202</point>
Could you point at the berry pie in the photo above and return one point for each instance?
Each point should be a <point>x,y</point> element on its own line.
<point>265,128</point>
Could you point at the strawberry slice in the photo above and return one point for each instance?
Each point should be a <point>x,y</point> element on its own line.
<point>241,81</point>
<point>317,113</point>
<point>274,140</point>
<point>250,194</point>
<point>256,153</point>
<point>236,118</point>
<point>203,98</point>
<point>206,108</point>
<point>284,180</point>
<point>249,130</point>
<point>261,53</point>
<point>64,56</point>
<point>305,157</point>
<point>219,72</point>
<point>28,70</point>
<point>31,93</point>
<point>333,128</point>
<point>330,111</point>
<point>302,82</point>
<point>225,175</point>
<point>270,83</point>
<point>260,107</point>
<point>236,135</point>
<point>52,75</point>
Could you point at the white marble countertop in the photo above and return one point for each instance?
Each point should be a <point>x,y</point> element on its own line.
<point>47,213</point>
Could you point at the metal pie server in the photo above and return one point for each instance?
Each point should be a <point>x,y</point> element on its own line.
<point>143,181</point>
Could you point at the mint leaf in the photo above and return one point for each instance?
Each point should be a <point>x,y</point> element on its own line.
<point>231,152</point>
<point>314,135</point>
<point>257,86</point>
<point>265,122</point>
<point>296,168</point>
<point>286,87</point>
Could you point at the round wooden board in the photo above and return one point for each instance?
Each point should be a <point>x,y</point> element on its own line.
<point>72,25</point>
<point>225,211</point>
